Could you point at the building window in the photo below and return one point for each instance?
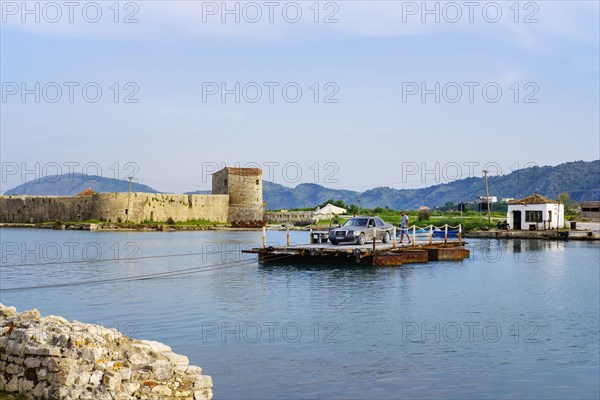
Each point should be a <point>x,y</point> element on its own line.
<point>257,181</point>
<point>549,216</point>
<point>533,216</point>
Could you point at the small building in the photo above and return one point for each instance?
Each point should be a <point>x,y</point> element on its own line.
<point>484,199</point>
<point>299,217</point>
<point>590,209</point>
<point>535,212</point>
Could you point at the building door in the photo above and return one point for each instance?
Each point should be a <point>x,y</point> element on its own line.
<point>517,220</point>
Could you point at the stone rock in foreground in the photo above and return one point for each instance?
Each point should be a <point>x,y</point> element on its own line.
<point>52,358</point>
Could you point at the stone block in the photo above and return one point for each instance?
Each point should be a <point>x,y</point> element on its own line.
<point>162,370</point>
<point>32,362</point>
<point>162,390</point>
<point>96,378</point>
<point>42,374</point>
<point>84,378</point>
<point>12,385</point>
<point>13,369</point>
<point>112,380</point>
<point>39,389</point>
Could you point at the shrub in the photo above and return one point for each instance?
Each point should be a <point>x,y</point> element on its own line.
<point>170,221</point>
<point>423,215</point>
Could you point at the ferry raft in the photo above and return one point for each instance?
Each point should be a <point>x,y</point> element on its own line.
<point>422,249</point>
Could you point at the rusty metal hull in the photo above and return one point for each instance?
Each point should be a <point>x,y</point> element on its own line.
<point>400,257</point>
<point>447,253</point>
<point>327,259</point>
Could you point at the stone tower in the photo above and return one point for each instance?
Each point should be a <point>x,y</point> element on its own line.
<point>244,187</point>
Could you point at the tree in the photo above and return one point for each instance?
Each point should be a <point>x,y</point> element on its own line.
<point>353,209</point>
<point>564,198</point>
<point>570,205</point>
<point>423,215</point>
<point>337,203</point>
<point>449,206</point>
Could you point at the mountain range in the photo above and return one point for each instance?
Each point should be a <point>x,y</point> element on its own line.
<point>581,179</point>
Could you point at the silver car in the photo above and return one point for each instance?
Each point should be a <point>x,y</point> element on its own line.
<point>360,230</point>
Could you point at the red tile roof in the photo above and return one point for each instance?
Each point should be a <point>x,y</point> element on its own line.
<point>87,192</point>
<point>534,199</point>
<point>244,171</point>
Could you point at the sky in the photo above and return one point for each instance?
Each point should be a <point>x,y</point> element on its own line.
<point>345,94</point>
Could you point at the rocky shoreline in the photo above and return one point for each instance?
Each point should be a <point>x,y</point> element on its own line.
<point>52,358</point>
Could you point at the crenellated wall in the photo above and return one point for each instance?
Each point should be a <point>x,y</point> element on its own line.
<point>45,208</point>
<point>112,207</point>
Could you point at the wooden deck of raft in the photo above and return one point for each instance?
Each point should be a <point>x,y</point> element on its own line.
<point>383,255</point>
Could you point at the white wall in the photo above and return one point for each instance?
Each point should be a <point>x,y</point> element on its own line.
<point>558,215</point>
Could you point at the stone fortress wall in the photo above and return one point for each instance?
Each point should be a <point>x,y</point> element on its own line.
<point>237,196</point>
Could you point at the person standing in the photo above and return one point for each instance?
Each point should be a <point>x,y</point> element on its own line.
<point>404,227</point>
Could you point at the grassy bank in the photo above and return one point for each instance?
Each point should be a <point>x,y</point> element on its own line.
<point>469,221</point>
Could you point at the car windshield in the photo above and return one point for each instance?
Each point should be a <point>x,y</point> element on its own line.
<point>356,222</point>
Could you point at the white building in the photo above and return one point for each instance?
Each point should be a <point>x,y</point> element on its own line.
<point>483,199</point>
<point>535,213</point>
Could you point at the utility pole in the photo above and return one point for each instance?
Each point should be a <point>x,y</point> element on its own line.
<point>487,197</point>
<point>128,200</point>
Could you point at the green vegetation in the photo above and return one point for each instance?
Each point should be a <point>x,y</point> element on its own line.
<point>199,223</point>
<point>468,223</point>
<point>470,220</point>
<point>337,203</point>
<point>334,221</point>
<point>572,209</point>
<point>423,215</point>
<point>134,225</point>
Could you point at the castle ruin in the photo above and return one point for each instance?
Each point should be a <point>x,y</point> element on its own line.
<point>236,198</point>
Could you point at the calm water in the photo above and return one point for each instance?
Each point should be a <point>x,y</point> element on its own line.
<point>520,319</point>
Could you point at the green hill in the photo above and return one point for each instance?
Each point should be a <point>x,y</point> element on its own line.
<point>73,184</point>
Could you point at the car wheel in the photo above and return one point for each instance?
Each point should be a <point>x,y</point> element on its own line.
<point>386,237</point>
<point>333,241</point>
<point>361,238</point>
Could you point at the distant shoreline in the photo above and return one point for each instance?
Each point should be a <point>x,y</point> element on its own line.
<point>111,227</point>
<point>546,235</point>
<point>107,226</point>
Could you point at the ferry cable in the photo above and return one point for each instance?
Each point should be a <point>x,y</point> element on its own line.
<point>166,274</point>
<point>125,259</point>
